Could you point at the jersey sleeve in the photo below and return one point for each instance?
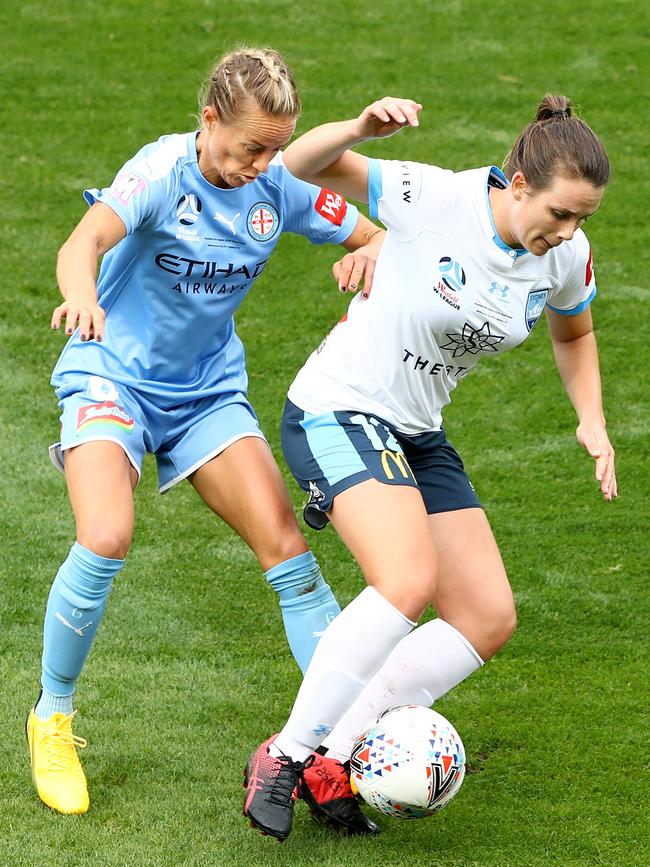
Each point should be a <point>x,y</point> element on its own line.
<point>141,190</point>
<point>578,287</point>
<point>321,215</point>
<point>406,196</point>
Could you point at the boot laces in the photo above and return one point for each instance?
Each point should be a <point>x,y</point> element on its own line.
<point>61,743</point>
<point>286,779</point>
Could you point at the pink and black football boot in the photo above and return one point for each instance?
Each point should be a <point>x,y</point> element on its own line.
<point>270,784</point>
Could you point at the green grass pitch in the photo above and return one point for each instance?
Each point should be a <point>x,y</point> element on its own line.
<point>556,727</point>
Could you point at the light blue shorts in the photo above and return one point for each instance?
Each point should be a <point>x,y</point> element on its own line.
<point>182,438</point>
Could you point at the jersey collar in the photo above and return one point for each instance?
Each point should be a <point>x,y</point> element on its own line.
<point>496,178</point>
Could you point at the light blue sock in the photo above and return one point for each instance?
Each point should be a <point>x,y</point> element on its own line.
<point>307,603</point>
<point>74,610</point>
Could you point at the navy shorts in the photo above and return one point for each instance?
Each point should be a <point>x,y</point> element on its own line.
<point>334,451</point>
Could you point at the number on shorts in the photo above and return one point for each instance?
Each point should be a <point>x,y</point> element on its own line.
<point>371,427</point>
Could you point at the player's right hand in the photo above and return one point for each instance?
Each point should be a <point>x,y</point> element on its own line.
<point>89,318</point>
<point>387,116</point>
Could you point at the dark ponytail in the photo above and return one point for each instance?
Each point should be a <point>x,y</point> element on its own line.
<point>558,143</point>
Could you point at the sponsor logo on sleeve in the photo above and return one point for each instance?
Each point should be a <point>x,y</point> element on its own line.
<point>332,206</point>
<point>263,221</point>
<point>105,413</point>
<point>589,270</point>
<point>406,183</point>
<point>126,186</point>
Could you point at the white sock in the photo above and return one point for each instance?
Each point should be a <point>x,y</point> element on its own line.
<point>349,653</point>
<point>424,666</point>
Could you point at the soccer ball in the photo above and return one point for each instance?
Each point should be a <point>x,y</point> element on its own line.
<point>409,762</point>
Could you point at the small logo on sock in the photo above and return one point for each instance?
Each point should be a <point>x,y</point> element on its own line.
<point>329,617</point>
<point>78,629</point>
<point>321,729</point>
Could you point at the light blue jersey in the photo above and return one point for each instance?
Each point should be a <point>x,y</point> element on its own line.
<point>192,252</point>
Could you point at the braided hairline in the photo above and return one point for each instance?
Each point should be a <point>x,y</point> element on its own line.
<point>256,74</point>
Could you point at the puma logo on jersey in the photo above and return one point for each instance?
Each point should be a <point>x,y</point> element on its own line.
<point>221,219</point>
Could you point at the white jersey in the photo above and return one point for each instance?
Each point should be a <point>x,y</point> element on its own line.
<point>446,292</point>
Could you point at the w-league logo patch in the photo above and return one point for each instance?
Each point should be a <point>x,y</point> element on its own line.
<point>188,209</point>
<point>452,273</point>
<point>452,279</point>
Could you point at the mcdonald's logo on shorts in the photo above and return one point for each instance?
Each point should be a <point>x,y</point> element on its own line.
<point>389,458</point>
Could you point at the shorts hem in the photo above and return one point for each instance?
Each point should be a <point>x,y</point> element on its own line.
<point>454,508</point>
<point>162,489</point>
<point>56,452</point>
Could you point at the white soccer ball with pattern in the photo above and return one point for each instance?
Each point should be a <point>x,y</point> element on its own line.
<point>409,762</point>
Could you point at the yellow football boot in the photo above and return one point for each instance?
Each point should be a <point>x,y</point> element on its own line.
<point>56,769</point>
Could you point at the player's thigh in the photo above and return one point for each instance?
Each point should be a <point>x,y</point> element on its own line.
<point>473,592</point>
<point>385,528</point>
<point>101,480</point>
<point>243,485</point>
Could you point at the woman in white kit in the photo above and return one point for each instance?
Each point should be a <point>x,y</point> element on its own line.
<point>470,262</point>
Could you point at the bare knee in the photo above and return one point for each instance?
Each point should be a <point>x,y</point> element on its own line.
<point>281,541</point>
<point>409,592</point>
<point>488,630</point>
<point>487,624</point>
<point>106,541</point>
<point>500,628</point>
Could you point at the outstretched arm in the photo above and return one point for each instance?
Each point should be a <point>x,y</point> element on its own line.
<point>322,156</point>
<point>76,271</point>
<point>576,356</point>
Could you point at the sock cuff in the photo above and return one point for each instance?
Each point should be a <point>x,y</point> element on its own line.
<point>294,575</point>
<point>88,558</point>
<point>300,562</point>
<point>374,597</point>
<point>461,637</point>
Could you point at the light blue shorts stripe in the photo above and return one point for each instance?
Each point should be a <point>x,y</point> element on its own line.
<point>337,457</point>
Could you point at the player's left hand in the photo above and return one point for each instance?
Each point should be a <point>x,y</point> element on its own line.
<point>356,269</point>
<point>595,440</point>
